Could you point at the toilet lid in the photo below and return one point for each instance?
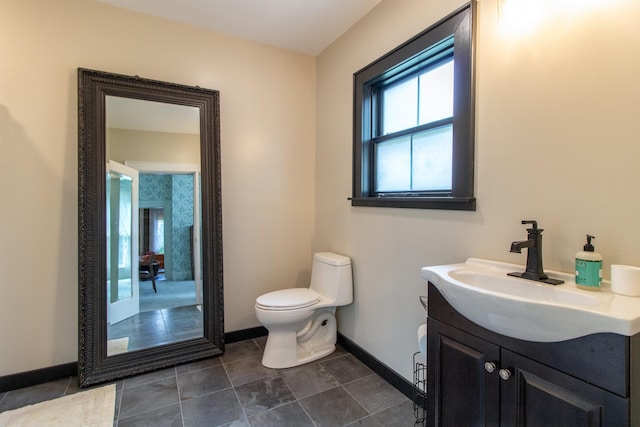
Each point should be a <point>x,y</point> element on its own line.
<point>288,299</point>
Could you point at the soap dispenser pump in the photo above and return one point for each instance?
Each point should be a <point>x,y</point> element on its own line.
<point>589,267</point>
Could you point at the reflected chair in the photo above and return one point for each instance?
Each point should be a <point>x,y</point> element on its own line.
<point>147,271</point>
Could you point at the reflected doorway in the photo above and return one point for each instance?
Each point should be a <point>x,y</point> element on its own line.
<point>122,227</point>
<point>152,235</point>
<point>167,250</point>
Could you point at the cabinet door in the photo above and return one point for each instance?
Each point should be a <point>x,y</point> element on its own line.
<point>536,395</point>
<point>460,390</point>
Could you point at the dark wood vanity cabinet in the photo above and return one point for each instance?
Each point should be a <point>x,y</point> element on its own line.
<point>476,377</point>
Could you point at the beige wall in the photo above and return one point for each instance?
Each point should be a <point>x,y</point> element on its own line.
<point>138,145</point>
<point>557,140</point>
<point>268,142</point>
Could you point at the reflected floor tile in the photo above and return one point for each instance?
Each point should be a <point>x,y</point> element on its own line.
<point>180,324</point>
<point>158,327</point>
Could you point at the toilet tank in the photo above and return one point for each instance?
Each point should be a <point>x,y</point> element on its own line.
<point>331,277</point>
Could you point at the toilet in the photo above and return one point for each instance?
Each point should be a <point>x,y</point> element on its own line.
<point>301,321</point>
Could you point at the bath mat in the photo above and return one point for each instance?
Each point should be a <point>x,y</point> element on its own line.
<point>93,407</point>
<point>117,346</point>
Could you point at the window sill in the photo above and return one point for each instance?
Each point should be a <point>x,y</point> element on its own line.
<point>445,203</point>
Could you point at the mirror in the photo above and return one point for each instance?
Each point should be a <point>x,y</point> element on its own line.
<point>150,227</point>
<point>154,285</point>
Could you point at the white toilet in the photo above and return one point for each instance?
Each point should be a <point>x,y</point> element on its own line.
<point>301,321</point>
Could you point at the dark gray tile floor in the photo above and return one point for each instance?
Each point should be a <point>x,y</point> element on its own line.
<point>158,327</point>
<point>236,390</point>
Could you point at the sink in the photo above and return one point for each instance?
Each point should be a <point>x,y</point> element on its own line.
<point>521,288</point>
<point>481,291</point>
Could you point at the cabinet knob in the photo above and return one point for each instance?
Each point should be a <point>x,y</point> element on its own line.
<point>489,366</point>
<point>505,374</point>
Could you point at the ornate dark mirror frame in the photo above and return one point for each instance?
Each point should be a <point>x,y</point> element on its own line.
<point>93,364</point>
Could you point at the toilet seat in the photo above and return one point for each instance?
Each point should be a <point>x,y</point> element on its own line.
<point>288,299</point>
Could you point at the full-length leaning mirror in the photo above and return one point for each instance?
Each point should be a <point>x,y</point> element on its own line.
<point>150,225</point>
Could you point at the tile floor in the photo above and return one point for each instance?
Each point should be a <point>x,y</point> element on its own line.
<point>236,390</point>
<point>157,327</point>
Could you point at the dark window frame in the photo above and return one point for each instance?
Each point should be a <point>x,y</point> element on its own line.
<point>458,26</point>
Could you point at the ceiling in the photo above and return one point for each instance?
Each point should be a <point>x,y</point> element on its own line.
<point>305,26</point>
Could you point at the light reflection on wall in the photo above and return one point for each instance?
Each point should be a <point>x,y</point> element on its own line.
<point>527,17</point>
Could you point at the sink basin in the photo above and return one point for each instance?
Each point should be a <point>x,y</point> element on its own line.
<point>522,288</point>
<point>519,308</point>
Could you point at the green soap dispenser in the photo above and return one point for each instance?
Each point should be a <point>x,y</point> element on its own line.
<point>589,267</point>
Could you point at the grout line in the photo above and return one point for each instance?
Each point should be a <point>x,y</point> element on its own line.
<point>66,389</point>
<point>179,397</point>
<point>354,398</point>
<point>118,404</point>
<point>257,345</point>
<point>235,393</point>
<point>307,413</point>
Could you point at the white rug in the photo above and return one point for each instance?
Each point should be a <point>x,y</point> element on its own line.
<point>117,346</point>
<point>93,408</point>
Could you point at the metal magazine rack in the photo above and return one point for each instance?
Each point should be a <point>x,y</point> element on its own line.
<point>420,382</point>
<point>419,389</point>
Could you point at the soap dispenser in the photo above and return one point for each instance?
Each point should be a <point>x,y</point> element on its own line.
<point>589,267</point>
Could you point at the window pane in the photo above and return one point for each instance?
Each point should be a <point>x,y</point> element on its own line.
<point>400,106</point>
<point>436,93</point>
<point>393,158</point>
<point>432,159</point>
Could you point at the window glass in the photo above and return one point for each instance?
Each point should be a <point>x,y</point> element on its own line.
<point>432,159</point>
<point>392,173</point>
<point>400,106</point>
<point>436,93</point>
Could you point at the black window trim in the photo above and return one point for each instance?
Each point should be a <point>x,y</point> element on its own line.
<point>460,25</point>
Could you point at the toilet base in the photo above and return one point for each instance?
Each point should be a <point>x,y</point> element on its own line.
<point>280,359</point>
<point>285,349</point>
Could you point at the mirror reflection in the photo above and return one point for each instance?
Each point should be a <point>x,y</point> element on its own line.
<point>153,234</point>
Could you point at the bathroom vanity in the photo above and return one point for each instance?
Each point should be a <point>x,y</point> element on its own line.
<point>479,377</point>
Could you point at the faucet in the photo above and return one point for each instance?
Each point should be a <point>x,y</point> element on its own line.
<point>534,269</point>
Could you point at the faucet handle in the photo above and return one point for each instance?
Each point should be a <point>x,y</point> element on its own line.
<point>534,230</point>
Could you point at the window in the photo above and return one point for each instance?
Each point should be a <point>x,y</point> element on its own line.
<point>414,121</point>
